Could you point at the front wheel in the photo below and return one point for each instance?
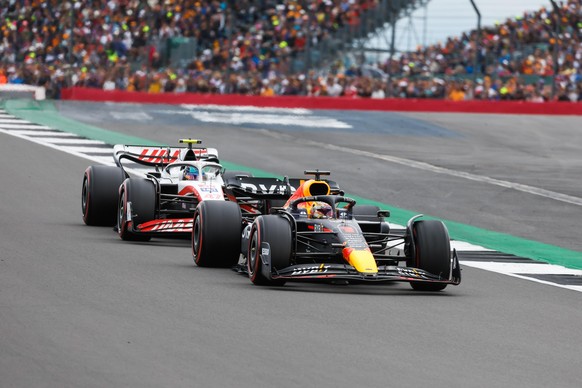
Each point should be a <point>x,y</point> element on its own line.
<point>432,252</point>
<point>269,249</point>
<point>216,234</point>
<point>141,194</point>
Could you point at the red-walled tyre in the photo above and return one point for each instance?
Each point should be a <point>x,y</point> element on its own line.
<point>216,234</point>
<point>271,241</point>
<point>432,252</point>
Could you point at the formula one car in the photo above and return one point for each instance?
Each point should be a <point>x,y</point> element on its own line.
<point>322,236</point>
<point>160,204</point>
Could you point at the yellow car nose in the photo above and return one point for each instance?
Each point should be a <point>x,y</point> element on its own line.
<point>361,259</point>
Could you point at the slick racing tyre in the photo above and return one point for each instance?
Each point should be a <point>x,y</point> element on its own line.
<point>141,193</point>
<point>432,252</point>
<point>276,231</point>
<point>99,194</point>
<point>216,234</point>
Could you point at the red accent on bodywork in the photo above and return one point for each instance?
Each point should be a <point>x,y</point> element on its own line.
<point>154,157</point>
<point>297,194</point>
<point>323,229</point>
<point>190,190</point>
<point>346,253</point>
<point>347,229</point>
<point>167,225</point>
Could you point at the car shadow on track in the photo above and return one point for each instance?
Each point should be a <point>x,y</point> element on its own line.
<point>241,282</point>
<point>386,289</point>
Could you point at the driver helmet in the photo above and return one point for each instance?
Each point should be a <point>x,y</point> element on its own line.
<point>321,210</point>
<point>190,173</point>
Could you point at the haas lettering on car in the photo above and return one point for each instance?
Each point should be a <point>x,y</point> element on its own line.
<point>157,155</point>
<point>167,226</point>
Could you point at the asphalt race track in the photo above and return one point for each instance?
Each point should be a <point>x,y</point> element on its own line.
<point>81,308</point>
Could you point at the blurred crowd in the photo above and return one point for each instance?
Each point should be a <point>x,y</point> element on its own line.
<point>247,46</point>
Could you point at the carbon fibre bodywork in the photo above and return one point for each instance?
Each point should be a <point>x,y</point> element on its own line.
<point>340,248</point>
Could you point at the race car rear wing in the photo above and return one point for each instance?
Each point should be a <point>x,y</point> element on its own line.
<point>161,156</point>
<point>272,188</point>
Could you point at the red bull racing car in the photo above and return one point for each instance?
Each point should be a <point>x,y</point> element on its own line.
<point>316,234</point>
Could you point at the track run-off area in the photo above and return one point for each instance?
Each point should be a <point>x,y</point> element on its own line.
<point>503,184</point>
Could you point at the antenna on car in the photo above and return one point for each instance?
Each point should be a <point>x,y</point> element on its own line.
<point>167,155</point>
<point>317,173</point>
<point>190,141</point>
<point>287,185</point>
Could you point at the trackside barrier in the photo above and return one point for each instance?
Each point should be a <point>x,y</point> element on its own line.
<point>339,103</point>
<point>39,92</point>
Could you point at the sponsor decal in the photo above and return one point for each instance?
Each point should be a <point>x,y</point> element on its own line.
<point>408,272</point>
<point>347,229</point>
<point>208,189</point>
<point>319,228</point>
<point>179,225</point>
<point>215,196</point>
<point>261,188</point>
<point>310,270</point>
<point>202,192</point>
<point>158,155</point>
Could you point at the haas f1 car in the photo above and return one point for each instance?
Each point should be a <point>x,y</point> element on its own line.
<point>162,202</point>
<point>317,234</point>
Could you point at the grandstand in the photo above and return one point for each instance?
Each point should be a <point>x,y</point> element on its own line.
<point>267,47</point>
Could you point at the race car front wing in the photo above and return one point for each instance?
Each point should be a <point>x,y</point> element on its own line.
<point>386,273</point>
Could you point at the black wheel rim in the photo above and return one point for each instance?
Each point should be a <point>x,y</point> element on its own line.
<point>196,236</point>
<point>120,215</point>
<point>253,254</point>
<point>84,195</point>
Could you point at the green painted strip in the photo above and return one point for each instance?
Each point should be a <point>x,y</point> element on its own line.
<point>45,113</point>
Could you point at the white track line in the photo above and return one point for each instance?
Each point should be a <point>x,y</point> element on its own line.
<point>44,133</point>
<point>23,126</point>
<point>73,141</point>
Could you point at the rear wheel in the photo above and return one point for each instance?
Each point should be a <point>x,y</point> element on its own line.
<point>99,194</point>
<point>432,252</point>
<point>216,234</point>
<point>141,193</point>
<point>273,232</point>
